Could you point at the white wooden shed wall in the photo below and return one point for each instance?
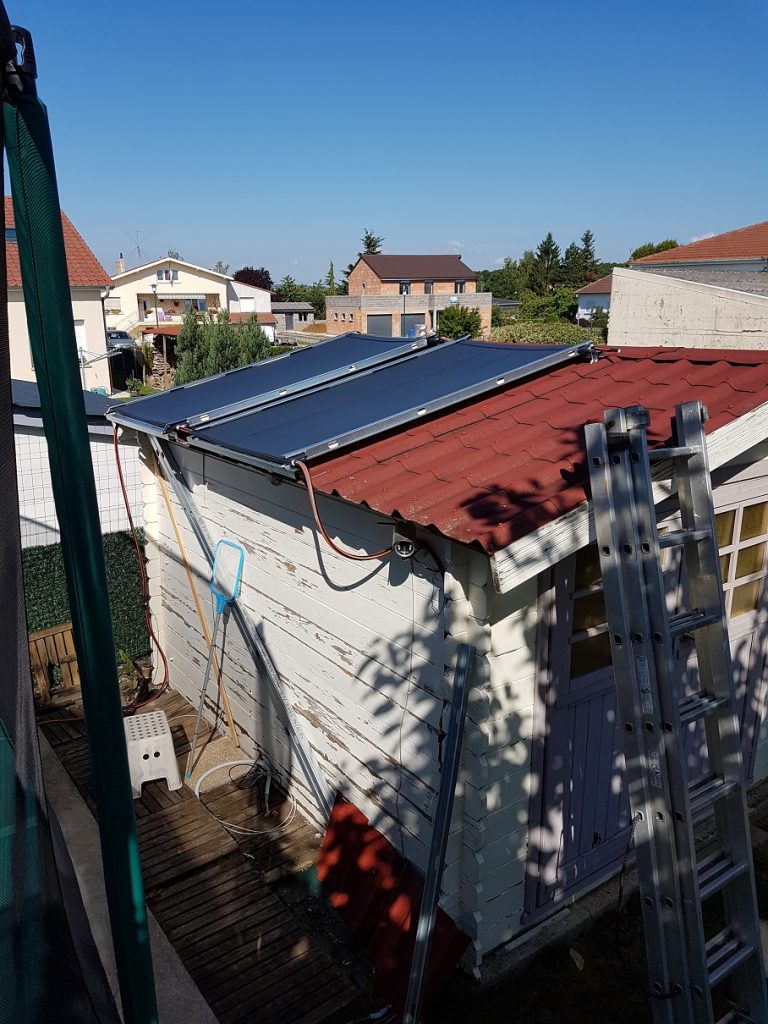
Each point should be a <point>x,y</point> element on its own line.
<point>364,650</point>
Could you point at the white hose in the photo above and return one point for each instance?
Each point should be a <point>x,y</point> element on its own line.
<point>241,829</point>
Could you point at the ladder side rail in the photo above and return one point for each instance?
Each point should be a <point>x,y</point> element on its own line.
<point>723,734</point>
<point>646,786</point>
<point>635,422</point>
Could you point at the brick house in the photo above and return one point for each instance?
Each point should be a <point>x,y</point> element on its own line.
<point>392,295</point>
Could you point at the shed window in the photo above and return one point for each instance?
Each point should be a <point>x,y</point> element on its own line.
<point>742,537</point>
<point>589,639</point>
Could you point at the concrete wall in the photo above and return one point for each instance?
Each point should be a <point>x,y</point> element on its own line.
<point>351,312</point>
<point>39,524</point>
<point>652,309</point>
<point>89,331</point>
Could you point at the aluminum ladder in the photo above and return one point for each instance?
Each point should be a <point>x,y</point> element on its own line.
<point>705,964</point>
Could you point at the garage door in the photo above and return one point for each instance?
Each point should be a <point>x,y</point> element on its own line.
<point>410,324</point>
<point>380,325</point>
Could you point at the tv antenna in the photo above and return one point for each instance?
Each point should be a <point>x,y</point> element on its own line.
<point>136,251</point>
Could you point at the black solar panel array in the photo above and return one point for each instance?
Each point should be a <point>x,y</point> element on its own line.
<point>322,399</point>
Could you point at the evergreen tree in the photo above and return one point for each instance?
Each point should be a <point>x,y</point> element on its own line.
<point>190,358</point>
<point>330,280</point>
<point>290,290</point>
<point>371,243</point>
<point>589,256</point>
<point>573,266</point>
<point>252,342</point>
<point>546,274</point>
<point>221,344</point>
<point>526,271</point>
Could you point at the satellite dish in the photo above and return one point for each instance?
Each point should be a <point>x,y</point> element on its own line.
<point>453,300</point>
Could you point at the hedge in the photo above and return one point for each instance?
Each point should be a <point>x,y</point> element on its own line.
<point>542,332</point>
<point>46,591</point>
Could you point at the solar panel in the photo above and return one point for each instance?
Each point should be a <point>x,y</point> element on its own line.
<point>268,381</point>
<point>316,423</point>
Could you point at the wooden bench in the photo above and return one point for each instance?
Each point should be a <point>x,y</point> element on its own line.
<point>49,648</point>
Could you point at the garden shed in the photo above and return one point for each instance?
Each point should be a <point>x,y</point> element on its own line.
<point>492,489</point>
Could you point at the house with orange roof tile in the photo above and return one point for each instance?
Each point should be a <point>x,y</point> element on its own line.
<point>710,293</point>
<point>88,282</point>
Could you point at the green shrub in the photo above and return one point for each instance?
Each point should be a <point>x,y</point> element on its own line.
<point>46,591</point>
<point>533,332</point>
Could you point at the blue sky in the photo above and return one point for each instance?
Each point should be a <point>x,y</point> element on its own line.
<point>273,134</point>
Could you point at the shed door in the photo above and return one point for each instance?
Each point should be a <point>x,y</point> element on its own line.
<point>583,829</point>
<point>289,321</point>
<point>380,325</point>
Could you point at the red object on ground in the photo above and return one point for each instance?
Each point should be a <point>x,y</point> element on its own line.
<point>378,894</point>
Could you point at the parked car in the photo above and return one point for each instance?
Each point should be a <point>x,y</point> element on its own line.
<point>119,339</point>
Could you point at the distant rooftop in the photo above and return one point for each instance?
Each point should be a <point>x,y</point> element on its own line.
<point>419,268</point>
<point>25,396</point>
<point>602,286</point>
<point>83,269</point>
<point>750,243</point>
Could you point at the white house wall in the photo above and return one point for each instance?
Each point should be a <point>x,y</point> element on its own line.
<point>86,312</point>
<point>651,309</point>
<point>37,512</point>
<point>245,298</point>
<point>359,646</point>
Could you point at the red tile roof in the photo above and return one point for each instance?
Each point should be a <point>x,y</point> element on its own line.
<point>602,286</point>
<point>497,468</point>
<point>750,243</point>
<point>85,271</point>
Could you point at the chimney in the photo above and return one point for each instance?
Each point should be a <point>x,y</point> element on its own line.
<point>120,265</point>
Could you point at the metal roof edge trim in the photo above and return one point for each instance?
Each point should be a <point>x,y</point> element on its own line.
<point>525,558</point>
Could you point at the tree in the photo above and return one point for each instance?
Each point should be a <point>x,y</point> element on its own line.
<point>650,248</point>
<point>546,275</point>
<point>330,280</point>
<point>371,246</point>
<point>589,256</point>
<point>222,349</point>
<point>457,321</point>
<point>257,278</point>
<point>371,243</point>
<point>253,344</point>
<point>174,254</point>
<point>573,266</point>
<point>289,290</point>
<point>190,357</point>
<point>315,294</point>
<point>221,268</point>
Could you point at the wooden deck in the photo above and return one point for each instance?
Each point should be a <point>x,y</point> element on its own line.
<point>214,897</point>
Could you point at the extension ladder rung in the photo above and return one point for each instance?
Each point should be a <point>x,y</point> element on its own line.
<point>716,871</point>
<point>704,791</point>
<point>726,952</point>
<point>675,537</point>
<point>681,452</point>
<point>687,622</point>
<point>699,705</point>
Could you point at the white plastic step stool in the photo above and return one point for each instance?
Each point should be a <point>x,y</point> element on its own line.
<point>150,751</point>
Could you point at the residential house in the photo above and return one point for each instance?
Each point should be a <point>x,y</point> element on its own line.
<point>494,493</point>
<point>87,283</point>
<point>596,295</point>
<point>392,296</point>
<point>293,316</point>
<point>161,292</point>
<point>37,512</point>
<point>709,293</point>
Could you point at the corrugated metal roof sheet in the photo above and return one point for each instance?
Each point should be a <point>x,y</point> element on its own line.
<point>499,467</point>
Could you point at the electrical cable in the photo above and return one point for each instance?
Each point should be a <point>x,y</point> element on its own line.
<point>304,469</point>
<point>144,584</point>
<point>242,830</point>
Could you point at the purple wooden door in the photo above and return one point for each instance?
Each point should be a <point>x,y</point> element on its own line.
<point>582,830</point>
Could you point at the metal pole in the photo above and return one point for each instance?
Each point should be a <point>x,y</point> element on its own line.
<point>200,705</point>
<point>436,862</point>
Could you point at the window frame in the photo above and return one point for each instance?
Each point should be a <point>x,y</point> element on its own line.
<point>459,287</point>
<point>405,287</point>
